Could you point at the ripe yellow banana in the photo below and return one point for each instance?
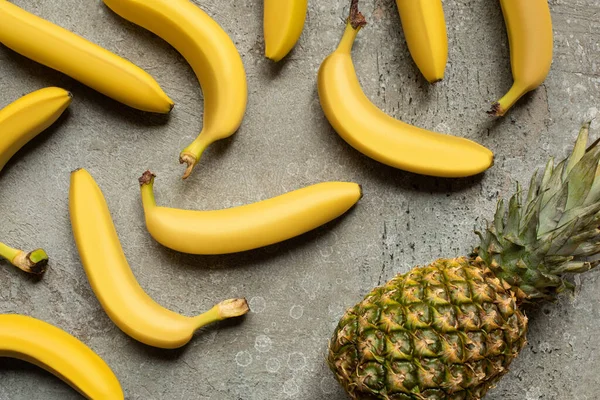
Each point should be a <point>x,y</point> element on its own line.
<point>48,347</point>
<point>27,117</point>
<point>64,51</point>
<point>211,54</point>
<point>115,286</point>
<point>425,31</point>
<point>283,25</point>
<point>529,27</point>
<point>20,122</point>
<point>369,130</point>
<point>247,227</point>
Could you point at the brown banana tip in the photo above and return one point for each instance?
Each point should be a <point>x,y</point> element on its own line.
<point>38,268</point>
<point>34,262</point>
<point>70,94</point>
<point>146,178</point>
<point>76,170</point>
<point>360,191</point>
<point>190,161</point>
<point>356,19</point>
<point>233,308</point>
<point>496,110</point>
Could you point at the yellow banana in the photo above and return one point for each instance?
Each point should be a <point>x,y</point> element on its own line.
<point>529,27</point>
<point>27,117</point>
<point>20,122</point>
<point>369,130</point>
<point>64,51</point>
<point>115,286</point>
<point>247,227</point>
<point>211,54</point>
<point>48,347</point>
<point>283,25</point>
<point>425,31</point>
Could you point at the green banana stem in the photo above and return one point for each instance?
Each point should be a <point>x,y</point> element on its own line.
<point>226,309</point>
<point>34,262</point>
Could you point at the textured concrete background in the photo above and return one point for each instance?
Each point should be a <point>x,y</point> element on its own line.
<point>298,289</point>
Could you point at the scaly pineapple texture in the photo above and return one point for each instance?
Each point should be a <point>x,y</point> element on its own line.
<point>450,330</point>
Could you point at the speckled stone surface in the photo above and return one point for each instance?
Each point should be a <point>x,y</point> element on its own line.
<point>298,289</point>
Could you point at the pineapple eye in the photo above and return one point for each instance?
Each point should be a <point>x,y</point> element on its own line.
<point>399,346</point>
<point>412,294</point>
<point>460,293</point>
<point>372,346</point>
<point>427,343</point>
<point>418,316</point>
<point>371,376</point>
<point>392,318</point>
<point>431,373</point>
<point>436,295</point>
<point>402,377</point>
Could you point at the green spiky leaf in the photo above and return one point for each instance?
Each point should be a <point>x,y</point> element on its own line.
<point>533,245</point>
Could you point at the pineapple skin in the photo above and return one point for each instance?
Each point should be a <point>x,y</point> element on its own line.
<point>446,331</point>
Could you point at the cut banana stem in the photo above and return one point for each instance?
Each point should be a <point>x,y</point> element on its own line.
<point>34,262</point>
<point>115,286</point>
<point>424,27</point>
<point>59,353</point>
<point>530,36</point>
<point>283,25</point>
<point>90,64</point>
<point>246,227</point>
<point>212,55</point>
<point>28,116</point>
<point>385,139</point>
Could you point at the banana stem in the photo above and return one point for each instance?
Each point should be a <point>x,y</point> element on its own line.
<point>226,309</point>
<point>354,23</point>
<point>191,154</point>
<point>147,189</point>
<point>34,262</point>
<point>505,103</point>
<point>356,18</point>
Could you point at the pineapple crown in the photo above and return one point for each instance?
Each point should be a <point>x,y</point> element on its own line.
<point>532,246</point>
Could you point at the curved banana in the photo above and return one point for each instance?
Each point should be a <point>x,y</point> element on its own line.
<point>425,31</point>
<point>90,64</point>
<point>28,116</point>
<point>59,353</point>
<point>283,25</point>
<point>115,286</point>
<point>20,122</point>
<point>529,27</point>
<point>247,227</point>
<point>211,54</point>
<point>369,130</point>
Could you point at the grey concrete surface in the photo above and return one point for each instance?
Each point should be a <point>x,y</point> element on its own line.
<point>298,289</point>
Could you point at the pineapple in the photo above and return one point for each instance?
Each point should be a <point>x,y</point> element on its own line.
<point>449,330</point>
